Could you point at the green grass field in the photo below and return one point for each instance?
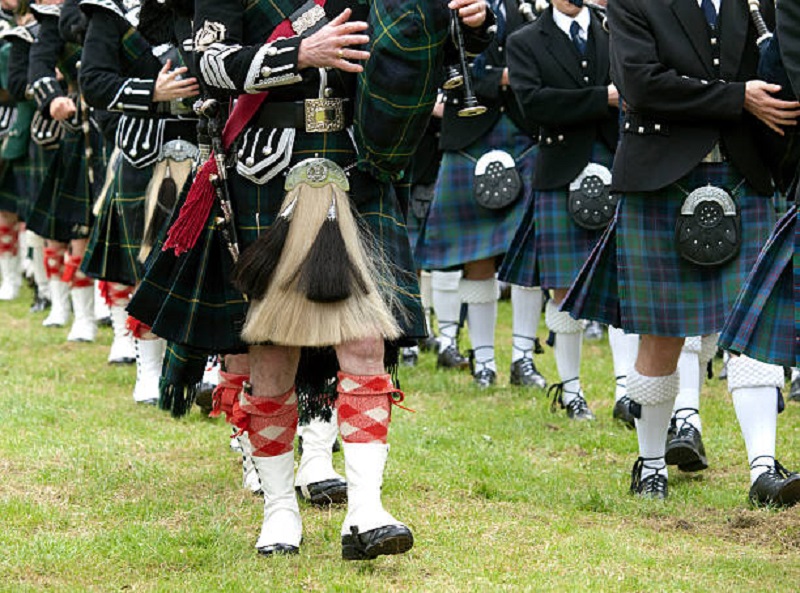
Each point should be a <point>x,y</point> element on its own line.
<point>97,494</point>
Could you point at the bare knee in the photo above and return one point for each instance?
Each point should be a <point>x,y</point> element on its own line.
<point>272,369</point>
<point>361,357</point>
<point>658,355</point>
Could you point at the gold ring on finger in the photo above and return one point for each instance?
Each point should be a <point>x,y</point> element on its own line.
<point>340,53</point>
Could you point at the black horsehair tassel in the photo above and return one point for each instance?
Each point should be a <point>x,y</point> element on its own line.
<point>328,273</point>
<point>166,200</point>
<point>253,272</point>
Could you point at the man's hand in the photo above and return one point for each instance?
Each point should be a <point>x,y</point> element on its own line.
<point>472,12</point>
<point>62,108</point>
<point>330,46</point>
<point>613,96</point>
<point>170,86</point>
<point>775,113</point>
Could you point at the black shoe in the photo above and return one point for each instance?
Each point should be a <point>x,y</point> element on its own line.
<point>577,409</point>
<point>429,344</point>
<point>409,357</point>
<point>205,398</point>
<point>653,486</point>
<point>524,373</point>
<point>794,390</point>
<point>776,487</point>
<point>451,358</point>
<point>382,541</point>
<point>593,331</point>
<point>622,412</point>
<point>484,378</point>
<point>278,550</point>
<point>325,493</point>
<point>39,304</point>
<point>685,447</point>
<point>104,322</point>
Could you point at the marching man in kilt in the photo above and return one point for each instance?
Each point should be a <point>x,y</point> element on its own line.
<point>763,324</point>
<point>694,211</point>
<point>63,210</point>
<point>147,85</point>
<point>323,306</point>
<point>481,194</point>
<point>559,71</point>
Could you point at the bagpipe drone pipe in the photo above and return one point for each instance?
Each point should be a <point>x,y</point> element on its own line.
<point>782,152</point>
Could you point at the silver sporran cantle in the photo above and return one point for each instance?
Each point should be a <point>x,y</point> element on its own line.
<point>708,232</point>
<point>497,183</point>
<point>590,202</point>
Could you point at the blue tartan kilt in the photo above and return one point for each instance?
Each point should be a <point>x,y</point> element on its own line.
<point>116,237</point>
<point>634,279</point>
<point>63,208</point>
<point>761,324</point>
<point>549,249</point>
<point>458,230</point>
<point>190,300</point>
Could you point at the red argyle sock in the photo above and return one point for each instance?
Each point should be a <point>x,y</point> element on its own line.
<point>364,407</point>
<point>8,240</point>
<point>53,262</point>
<point>225,399</point>
<point>271,422</point>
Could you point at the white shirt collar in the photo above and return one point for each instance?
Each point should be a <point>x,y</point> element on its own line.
<point>564,22</point>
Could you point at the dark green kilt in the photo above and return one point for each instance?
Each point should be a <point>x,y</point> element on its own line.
<point>762,323</point>
<point>635,279</point>
<point>63,208</point>
<point>9,187</point>
<point>189,299</point>
<point>117,234</point>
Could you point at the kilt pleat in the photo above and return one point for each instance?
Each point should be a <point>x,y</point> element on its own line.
<point>549,249</point>
<point>657,292</point>
<point>63,207</point>
<point>9,187</point>
<point>761,324</point>
<point>458,230</point>
<point>116,237</point>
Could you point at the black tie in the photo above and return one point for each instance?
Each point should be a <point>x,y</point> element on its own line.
<point>710,11</point>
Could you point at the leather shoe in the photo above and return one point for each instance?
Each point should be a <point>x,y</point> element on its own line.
<point>577,408</point>
<point>653,486</point>
<point>685,447</point>
<point>593,331</point>
<point>451,358</point>
<point>484,378</point>
<point>324,493</point>
<point>408,357</point>
<point>622,412</point>
<point>794,390</point>
<point>278,550</point>
<point>381,541</point>
<point>525,374</point>
<point>776,487</point>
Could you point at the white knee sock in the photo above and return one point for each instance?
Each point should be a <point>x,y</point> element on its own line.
<point>691,378</point>
<point>567,349</point>
<point>481,299</point>
<point>446,306</point>
<point>426,296</point>
<point>656,396</point>
<point>754,390</point>
<point>624,348</point>
<point>526,304</point>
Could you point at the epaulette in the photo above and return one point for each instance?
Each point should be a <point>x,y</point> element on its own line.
<point>20,32</point>
<point>46,9</point>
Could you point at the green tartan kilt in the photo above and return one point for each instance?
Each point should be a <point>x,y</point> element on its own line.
<point>635,280</point>
<point>762,323</point>
<point>63,209</point>
<point>117,234</point>
<point>189,299</point>
<point>9,187</point>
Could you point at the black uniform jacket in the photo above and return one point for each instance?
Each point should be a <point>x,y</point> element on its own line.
<point>460,132</point>
<point>680,102</point>
<point>18,61</point>
<point>565,93</point>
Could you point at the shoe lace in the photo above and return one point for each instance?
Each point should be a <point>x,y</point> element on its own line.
<point>655,483</point>
<point>578,406</point>
<point>557,391</point>
<point>686,428</point>
<point>525,365</point>
<point>773,467</point>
